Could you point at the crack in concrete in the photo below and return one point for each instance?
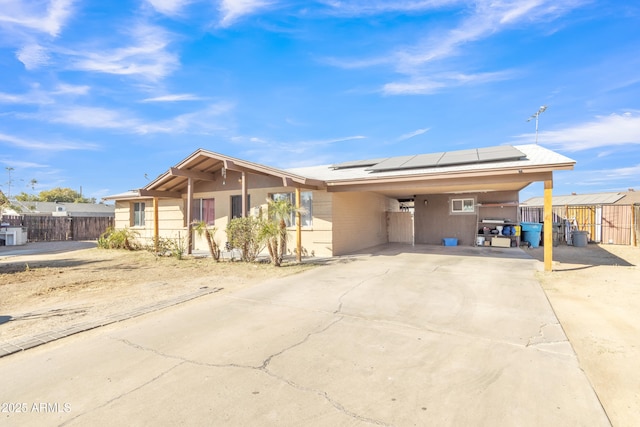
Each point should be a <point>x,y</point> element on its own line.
<point>353,288</point>
<point>264,367</point>
<point>539,341</point>
<point>329,399</point>
<point>265,362</point>
<point>120,396</point>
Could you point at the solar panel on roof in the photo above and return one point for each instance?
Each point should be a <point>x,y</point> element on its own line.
<point>356,164</point>
<point>449,158</point>
<point>503,152</point>
<point>423,161</point>
<point>458,157</point>
<point>392,163</point>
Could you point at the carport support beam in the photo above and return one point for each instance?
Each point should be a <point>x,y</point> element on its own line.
<point>548,225</point>
<point>298,227</point>
<point>156,227</point>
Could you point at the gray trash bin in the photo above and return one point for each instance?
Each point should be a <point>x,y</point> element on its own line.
<point>579,238</point>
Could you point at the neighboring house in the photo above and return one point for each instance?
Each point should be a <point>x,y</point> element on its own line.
<point>55,221</point>
<point>350,206</point>
<point>611,218</point>
<point>65,209</point>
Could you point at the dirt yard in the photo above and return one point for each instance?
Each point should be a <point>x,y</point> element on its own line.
<point>51,291</point>
<point>595,292</point>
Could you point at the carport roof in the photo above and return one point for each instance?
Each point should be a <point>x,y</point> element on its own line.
<point>532,156</point>
<point>512,173</point>
<point>480,170</point>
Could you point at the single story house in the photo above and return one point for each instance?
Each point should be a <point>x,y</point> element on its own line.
<point>65,209</point>
<point>59,221</point>
<point>352,205</point>
<point>610,218</point>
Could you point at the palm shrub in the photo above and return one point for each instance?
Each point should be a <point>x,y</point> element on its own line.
<point>201,228</point>
<point>274,231</point>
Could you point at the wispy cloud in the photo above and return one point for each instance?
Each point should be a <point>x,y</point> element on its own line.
<point>9,98</point>
<point>604,131</point>
<point>484,18</point>
<point>424,61</point>
<point>38,96</point>
<point>372,7</point>
<point>293,154</point>
<point>210,120</point>
<point>232,10</point>
<point>33,56</point>
<point>174,98</point>
<point>628,172</point>
<point>428,85</point>
<point>169,7</point>
<point>33,97</point>
<point>20,164</point>
<point>88,117</point>
<point>412,134</point>
<point>48,145</point>
<point>147,56</point>
<point>41,16</point>
<point>67,89</point>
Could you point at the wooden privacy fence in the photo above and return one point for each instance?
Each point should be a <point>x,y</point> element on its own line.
<point>612,224</point>
<point>47,228</point>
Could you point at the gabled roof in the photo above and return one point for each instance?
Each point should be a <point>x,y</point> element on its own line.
<point>500,168</point>
<point>207,165</point>
<point>617,198</point>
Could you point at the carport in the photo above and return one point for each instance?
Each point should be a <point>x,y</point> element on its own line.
<point>492,177</point>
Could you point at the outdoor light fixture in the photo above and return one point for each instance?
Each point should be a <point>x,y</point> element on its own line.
<point>536,115</point>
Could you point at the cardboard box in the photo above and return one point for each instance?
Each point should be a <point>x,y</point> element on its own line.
<point>501,242</point>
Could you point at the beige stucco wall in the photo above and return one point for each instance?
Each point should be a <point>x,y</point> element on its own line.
<point>434,221</point>
<point>316,239</point>
<point>359,220</point>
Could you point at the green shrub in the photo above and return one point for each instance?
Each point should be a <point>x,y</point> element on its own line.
<point>119,239</point>
<point>245,234</point>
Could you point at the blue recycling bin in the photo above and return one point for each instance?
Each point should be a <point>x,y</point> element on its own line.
<point>531,232</point>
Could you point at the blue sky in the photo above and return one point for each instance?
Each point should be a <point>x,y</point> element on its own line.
<point>102,96</point>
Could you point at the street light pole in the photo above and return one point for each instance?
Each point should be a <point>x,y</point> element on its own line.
<point>536,115</point>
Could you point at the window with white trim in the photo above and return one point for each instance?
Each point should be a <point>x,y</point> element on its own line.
<point>463,206</point>
<point>138,214</point>
<point>306,205</point>
<point>204,210</point>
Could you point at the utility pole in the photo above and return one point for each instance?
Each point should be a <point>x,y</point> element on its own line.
<point>536,115</point>
<point>9,169</point>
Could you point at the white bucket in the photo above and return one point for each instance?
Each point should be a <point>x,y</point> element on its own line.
<point>480,240</point>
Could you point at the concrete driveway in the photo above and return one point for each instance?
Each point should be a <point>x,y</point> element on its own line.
<point>404,336</point>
